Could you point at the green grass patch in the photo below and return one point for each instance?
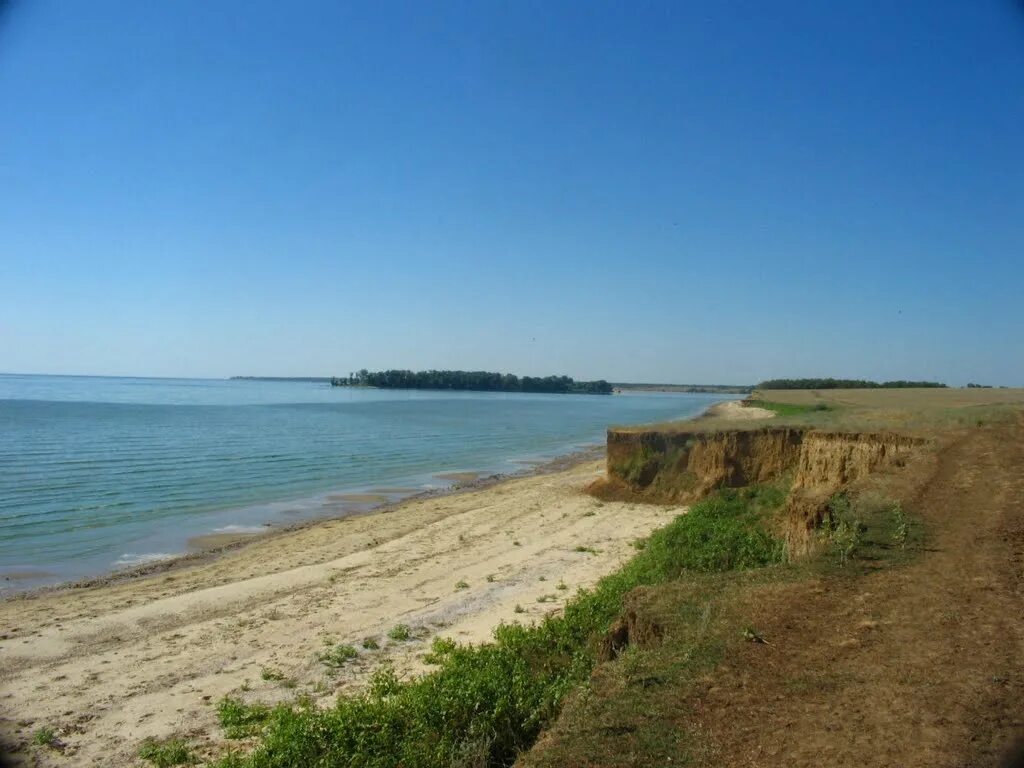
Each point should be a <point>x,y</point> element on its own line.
<point>164,754</point>
<point>44,737</point>
<point>869,531</point>
<point>788,409</point>
<point>485,704</point>
<point>240,720</point>
<point>629,712</point>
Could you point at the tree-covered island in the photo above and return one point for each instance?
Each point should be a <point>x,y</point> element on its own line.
<point>480,381</point>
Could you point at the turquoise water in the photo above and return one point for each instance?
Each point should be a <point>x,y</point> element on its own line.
<point>102,473</point>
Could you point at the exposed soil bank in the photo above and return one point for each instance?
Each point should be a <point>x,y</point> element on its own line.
<point>911,666</point>
<point>679,466</point>
<point>909,659</point>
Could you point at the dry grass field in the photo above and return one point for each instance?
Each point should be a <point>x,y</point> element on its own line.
<point>911,410</point>
<point>905,653</point>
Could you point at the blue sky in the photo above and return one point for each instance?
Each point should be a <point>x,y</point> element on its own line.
<point>670,192</point>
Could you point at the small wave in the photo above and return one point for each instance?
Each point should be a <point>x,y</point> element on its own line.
<point>241,529</point>
<point>129,559</point>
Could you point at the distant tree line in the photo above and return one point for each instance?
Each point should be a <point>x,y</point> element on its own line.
<point>719,389</point>
<point>844,384</point>
<point>482,381</point>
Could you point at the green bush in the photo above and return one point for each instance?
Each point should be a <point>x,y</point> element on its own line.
<point>842,527</point>
<point>484,704</point>
<point>400,632</point>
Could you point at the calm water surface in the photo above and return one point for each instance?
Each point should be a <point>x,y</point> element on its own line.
<point>101,473</point>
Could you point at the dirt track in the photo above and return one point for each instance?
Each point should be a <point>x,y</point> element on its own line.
<point>920,665</point>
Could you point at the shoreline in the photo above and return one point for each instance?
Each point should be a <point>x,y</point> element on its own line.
<point>236,541</point>
<point>121,660</point>
<point>146,653</point>
<point>208,546</point>
<point>218,544</point>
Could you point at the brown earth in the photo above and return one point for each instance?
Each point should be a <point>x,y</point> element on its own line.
<point>901,657</point>
<point>679,466</point>
<point>919,665</point>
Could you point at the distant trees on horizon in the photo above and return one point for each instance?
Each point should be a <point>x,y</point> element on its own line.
<point>480,381</point>
<point>846,384</point>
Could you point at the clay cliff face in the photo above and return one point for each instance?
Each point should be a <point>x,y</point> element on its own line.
<point>684,466</point>
<point>829,461</point>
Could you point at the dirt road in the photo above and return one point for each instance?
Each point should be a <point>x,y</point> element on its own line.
<point>917,665</point>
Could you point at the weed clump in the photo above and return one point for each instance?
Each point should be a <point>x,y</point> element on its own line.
<point>164,754</point>
<point>241,720</point>
<point>45,737</point>
<point>901,526</point>
<point>842,527</point>
<point>400,632</point>
<point>338,656</point>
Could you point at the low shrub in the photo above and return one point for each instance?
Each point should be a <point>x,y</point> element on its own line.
<point>45,736</point>
<point>400,632</point>
<point>338,656</point>
<point>164,754</point>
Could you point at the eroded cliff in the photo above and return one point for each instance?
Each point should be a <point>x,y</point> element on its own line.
<point>666,466</point>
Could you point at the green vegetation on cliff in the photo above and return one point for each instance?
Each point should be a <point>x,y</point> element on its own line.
<point>481,381</point>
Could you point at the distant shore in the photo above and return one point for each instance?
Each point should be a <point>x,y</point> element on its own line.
<point>706,389</point>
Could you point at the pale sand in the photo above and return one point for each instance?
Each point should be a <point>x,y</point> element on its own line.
<point>734,410</point>
<point>110,665</point>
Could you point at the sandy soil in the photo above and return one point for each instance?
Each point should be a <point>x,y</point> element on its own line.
<point>734,410</point>
<point>110,665</point>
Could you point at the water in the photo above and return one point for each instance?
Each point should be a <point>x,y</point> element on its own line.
<point>100,473</point>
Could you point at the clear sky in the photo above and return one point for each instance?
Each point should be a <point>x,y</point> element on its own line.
<point>666,192</point>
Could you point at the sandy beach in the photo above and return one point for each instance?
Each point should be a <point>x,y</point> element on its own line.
<point>734,410</point>
<point>110,665</point>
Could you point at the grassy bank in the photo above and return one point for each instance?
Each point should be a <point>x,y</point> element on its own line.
<point>486,704</point>
<point>911,410</point>
<point>787,409</point>
<point>646,708</point>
